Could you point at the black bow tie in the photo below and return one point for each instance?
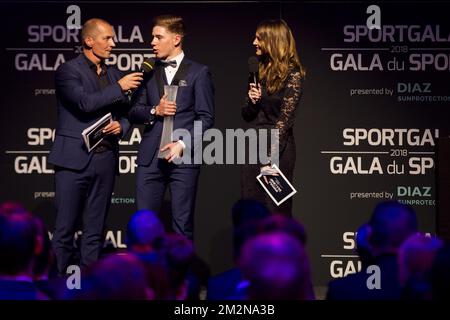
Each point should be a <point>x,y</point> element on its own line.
<point>165,63</point>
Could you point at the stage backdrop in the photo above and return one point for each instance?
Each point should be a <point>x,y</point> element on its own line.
<point>375,102</point>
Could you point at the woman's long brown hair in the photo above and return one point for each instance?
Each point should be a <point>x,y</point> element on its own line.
<point>279,53</point>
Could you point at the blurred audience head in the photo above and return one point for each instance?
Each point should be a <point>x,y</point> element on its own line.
<point>282,223</point>
<point>144,231</point>
<point>19,240</point>
<point>390,225</point>
<point>180,253</point>
<point>9,207</point>
<point>115,277</point>
<point>416,256</point>
<point>276,266</point>
<point>415,259</point>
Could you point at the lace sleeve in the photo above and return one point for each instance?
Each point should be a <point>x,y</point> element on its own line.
<point>293,93</point>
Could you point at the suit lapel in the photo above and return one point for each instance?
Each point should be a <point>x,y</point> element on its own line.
<point>111,75</point>
<point>181,72</point>
<point>181,75</point>
<point>160,80</point>
<point>88,72</point>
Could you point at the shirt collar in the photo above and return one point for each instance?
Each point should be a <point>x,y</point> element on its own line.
<point>93,66</point>
<point>178,58</point>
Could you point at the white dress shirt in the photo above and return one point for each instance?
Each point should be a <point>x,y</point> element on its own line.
<point>171,71</point>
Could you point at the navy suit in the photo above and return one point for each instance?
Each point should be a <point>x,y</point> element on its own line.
<point>195,102</point>
<point>84,180</point>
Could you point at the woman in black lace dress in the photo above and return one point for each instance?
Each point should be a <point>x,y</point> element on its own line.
<point>272,105</point>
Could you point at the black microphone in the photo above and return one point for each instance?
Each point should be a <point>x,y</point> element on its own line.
<point>253,71</point>
<point>147,66</point>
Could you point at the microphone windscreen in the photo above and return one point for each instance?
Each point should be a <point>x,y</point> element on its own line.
<point>253,64</point>
<point>148,65</point>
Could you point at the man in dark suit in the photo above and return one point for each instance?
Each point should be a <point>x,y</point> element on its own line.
<point>86,90</point>
<point>194,102</point>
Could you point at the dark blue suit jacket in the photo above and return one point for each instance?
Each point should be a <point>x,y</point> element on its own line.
<point>80,103</point>
<point>195,101</point>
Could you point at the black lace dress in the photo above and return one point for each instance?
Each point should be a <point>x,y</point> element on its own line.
<point>274,111</point>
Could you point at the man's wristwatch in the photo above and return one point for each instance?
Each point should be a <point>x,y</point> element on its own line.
<point>153,111</point>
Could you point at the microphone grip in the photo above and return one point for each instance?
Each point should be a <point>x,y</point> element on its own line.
<point>253,78</point>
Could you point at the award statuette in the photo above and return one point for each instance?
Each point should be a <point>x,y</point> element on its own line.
<point>166,136</point>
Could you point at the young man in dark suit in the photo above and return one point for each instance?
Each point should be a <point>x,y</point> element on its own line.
<point>194,102</point>
<point>86,90</point>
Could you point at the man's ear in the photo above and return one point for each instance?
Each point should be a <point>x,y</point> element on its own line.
<point>89,42</point>
<point>177,40</point>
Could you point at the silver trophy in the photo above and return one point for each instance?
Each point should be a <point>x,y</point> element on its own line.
<point>166,136</point>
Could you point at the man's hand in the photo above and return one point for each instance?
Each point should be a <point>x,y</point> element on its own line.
<point>166,108</point>
<point>175,150</point>
<point>113,128</point>
<point>130,81</point>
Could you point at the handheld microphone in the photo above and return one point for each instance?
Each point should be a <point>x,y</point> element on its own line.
<point>147,66</point>
<point>253,71</point>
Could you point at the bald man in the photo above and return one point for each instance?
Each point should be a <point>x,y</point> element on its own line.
<point>86,90</point>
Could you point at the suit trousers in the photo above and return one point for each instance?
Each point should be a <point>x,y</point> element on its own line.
<point>152,182</point>
<point>85,195</point>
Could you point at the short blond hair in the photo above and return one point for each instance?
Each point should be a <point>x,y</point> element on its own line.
<point>172,23</point>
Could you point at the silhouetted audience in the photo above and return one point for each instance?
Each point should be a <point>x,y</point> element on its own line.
<point>245,217</point>
<point>19,245</point>
<point>440,274</point>
<point>292,227</point>
<point>115,277</point>
<point>390,225</point>
<point>268,250</point>
<point>363,247</point>
<point>180,253</point>
<point>145,232</point>
<point>415,259</point>
<point>146,237</point>
<point>277,268</point>
<point>44,264</point>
